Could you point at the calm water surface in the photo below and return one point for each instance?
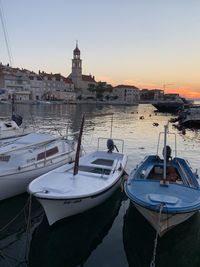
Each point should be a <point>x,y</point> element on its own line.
<point>113,234</point>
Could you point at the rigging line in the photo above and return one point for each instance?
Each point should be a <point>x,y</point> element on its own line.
<point>5,34</point>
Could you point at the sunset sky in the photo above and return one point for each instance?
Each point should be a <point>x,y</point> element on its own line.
<point>146,43</point>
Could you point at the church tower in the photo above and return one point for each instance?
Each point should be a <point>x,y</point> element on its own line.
<point>76,74</point>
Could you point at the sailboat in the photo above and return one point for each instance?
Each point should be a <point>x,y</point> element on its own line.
<point>80,186</point>
<point>164,190</point>
<point>30,156</point>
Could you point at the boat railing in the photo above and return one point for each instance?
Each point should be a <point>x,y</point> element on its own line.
<point>118,143</point>
<point>34,145</point>
<point>44,160</point>
<point>186,179</point>
<point>115,165</point>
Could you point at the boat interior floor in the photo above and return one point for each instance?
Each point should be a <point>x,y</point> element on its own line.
<point>172,174</point>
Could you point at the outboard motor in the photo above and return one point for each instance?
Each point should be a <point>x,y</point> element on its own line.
<point>17,118</point>
<point>168,153</point>
<point>111,146</point>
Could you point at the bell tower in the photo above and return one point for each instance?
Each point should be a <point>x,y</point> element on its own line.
<point>76,74</point>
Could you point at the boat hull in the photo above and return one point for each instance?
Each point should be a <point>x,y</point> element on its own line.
<point>57,209</point>
<point>16,183</point>
<point>191,123</point>
<point>168,107</point>
<point>167,221</point>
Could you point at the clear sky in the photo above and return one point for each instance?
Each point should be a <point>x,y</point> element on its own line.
<point>146,43</point>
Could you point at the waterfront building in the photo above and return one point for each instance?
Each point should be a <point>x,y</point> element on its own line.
<point>128,94</point>
<point>57,87</point>
<point>29,86</point>
<point>14,80</point>
<point>151,95</point>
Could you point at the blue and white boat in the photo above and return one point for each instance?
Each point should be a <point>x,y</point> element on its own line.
<point>164,190</point>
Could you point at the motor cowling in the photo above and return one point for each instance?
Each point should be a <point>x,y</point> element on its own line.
<point>110,145</point>
<point>168,152</point>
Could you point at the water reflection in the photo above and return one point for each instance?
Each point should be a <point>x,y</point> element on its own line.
<point>71,241</point>
<point>179,247</point>
<point>14,233</point>
<point>140,138</point>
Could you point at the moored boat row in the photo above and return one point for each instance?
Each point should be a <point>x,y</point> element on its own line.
<point>163,188</point>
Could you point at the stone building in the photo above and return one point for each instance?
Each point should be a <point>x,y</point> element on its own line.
<point>81,82</point>
<point>153,94</point>
<point>15,80</point>
<point>128,94</point>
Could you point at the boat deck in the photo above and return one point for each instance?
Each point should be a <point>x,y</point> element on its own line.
<point>177,198</point>
<point>92,178</point>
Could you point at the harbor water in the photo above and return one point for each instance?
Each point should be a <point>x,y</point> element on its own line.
<point>113,234</point>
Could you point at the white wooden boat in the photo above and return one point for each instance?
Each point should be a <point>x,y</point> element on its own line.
<point>63,193</point>
<point>79,235</point>
<point>28,157</point>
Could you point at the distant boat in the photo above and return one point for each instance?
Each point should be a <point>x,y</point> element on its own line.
<point>80,186</point>
<point>28,157</point>
<point>190,117</point>
<point>171,105</point>
<point>165,191</point>
<point>13,128</point>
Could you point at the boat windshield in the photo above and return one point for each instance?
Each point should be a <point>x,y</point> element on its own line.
<point>97,170</point>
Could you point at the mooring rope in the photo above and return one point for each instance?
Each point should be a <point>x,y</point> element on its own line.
<point>153,261</point>
<point>4,257</point>
<point>27,217</point>
<point>28,228</point>
<point>17,215</point>
<point>27,220</point>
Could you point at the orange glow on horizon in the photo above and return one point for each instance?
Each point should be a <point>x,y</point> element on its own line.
<point>183,91</point>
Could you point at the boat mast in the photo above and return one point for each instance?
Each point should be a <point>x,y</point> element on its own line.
<point>111,126</point>
<point>165,152</point>
<point>3,23</point>
<point>13,104</point>
<point>78,147</point>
